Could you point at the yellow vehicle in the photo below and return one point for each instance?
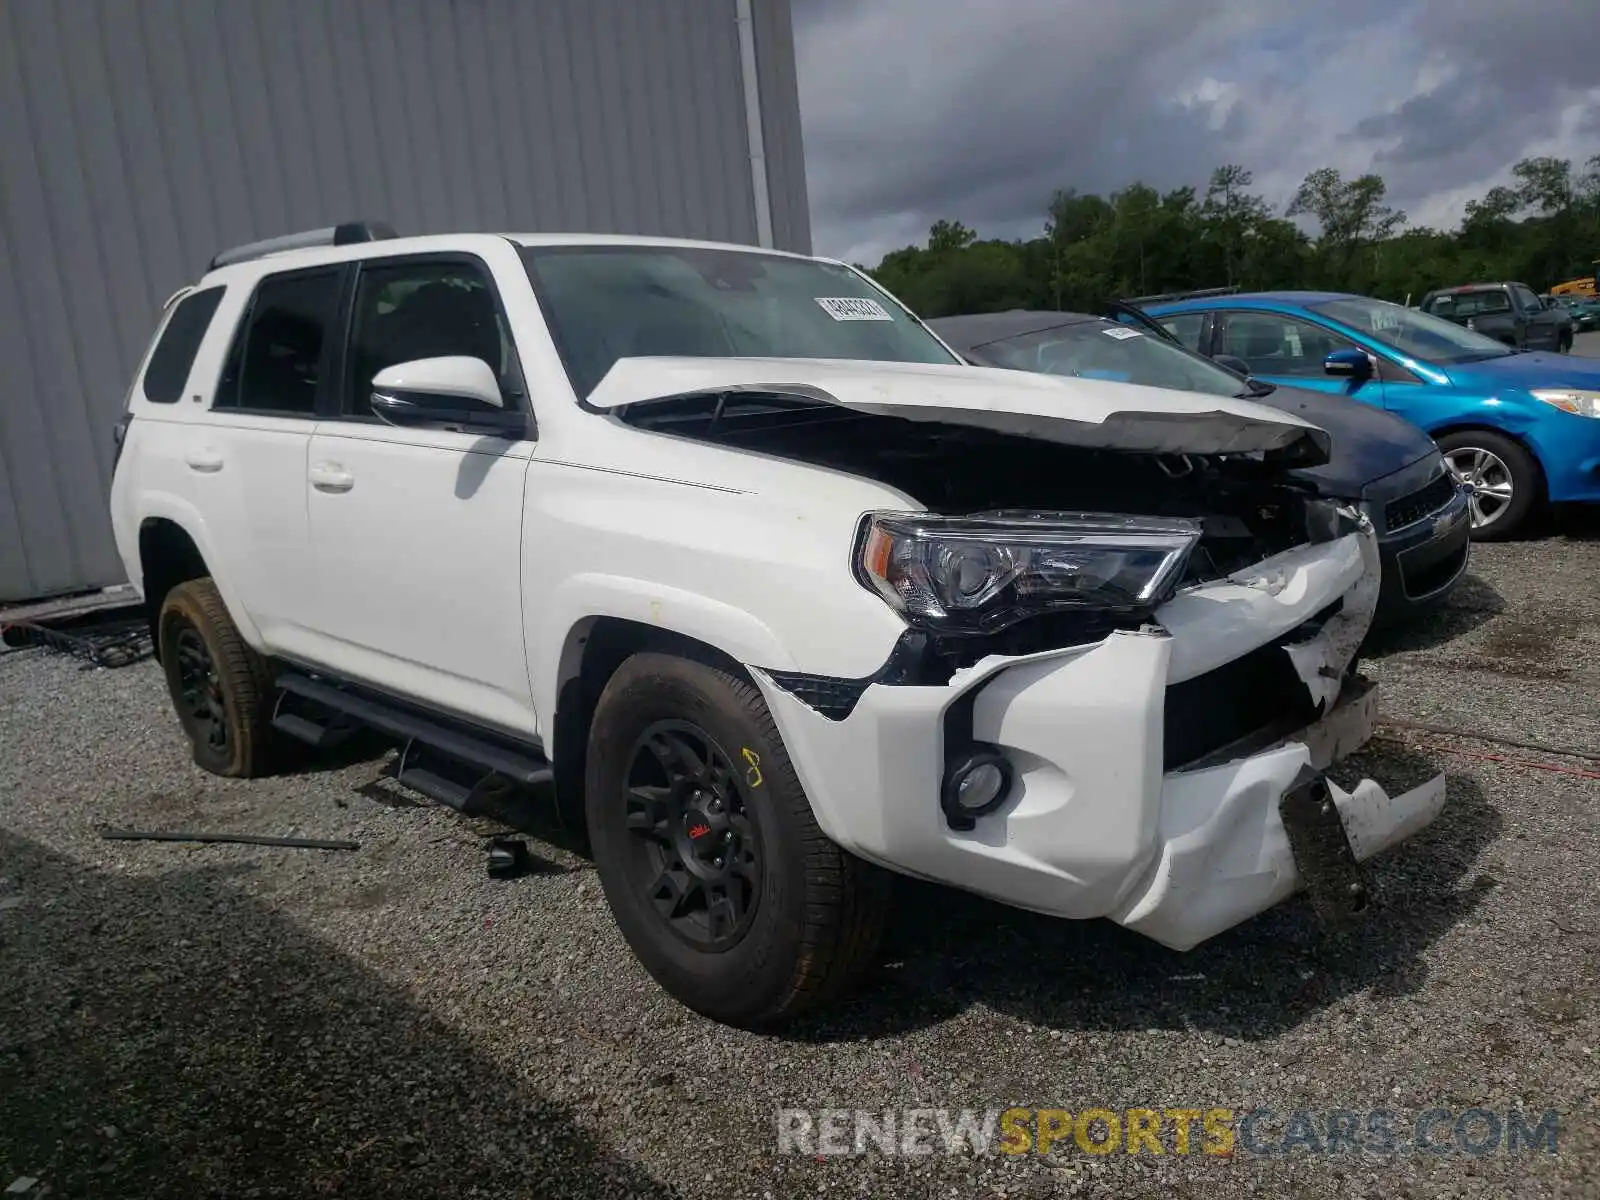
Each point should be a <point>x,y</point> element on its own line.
<point>1582,286</point>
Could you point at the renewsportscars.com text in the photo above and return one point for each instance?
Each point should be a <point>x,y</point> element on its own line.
<point>1214,1131</point>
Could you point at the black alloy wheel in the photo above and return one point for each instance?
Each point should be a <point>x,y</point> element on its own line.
<point>220,688</point>
<point>201,706</point>
<point>694,853</point>
<point>709,852</point>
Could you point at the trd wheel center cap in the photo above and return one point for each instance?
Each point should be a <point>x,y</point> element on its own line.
<point>706,831</point>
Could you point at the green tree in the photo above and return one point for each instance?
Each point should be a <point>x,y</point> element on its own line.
<point>947,237</point>
<point>1541,228</point>
<point>1230,215</point>
<point>1352,216</point>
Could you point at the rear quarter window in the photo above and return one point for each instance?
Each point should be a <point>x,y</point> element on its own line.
<point>171,360</point>
<point>1186,327</point>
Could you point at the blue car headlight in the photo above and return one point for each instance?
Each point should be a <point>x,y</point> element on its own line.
<point>1573,400</point>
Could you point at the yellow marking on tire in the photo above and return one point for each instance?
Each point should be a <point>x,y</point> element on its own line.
<point>752,774</point>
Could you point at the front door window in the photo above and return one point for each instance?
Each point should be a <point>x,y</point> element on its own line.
<point>1273,344</point>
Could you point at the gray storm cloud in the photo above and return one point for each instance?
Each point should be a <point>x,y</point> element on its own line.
<point>921,109</point>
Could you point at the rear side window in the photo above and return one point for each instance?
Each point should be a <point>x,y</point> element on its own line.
<point>1469,304</point>
<point>276,365</point>
<point>1186,327</point>
<point>168,369</point>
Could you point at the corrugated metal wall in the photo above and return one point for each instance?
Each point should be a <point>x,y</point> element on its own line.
<point>137,139</point>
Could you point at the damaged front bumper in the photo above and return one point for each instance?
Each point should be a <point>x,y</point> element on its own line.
<point>1099,820</point>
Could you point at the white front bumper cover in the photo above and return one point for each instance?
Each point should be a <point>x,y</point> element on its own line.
<point>1092,826</point>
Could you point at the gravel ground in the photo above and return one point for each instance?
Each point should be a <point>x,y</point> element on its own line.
<point>213,1020</point>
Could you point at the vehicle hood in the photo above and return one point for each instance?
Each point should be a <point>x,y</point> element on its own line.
<point>1368,443</point>
<point>1532,370</point>
<point>1074,412</point>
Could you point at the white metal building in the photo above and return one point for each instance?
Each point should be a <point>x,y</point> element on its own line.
<point>138,139</point>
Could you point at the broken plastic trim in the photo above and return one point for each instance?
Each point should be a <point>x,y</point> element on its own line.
<point>923,659</point>
<point>1335,882</point>
<point>910,662</point>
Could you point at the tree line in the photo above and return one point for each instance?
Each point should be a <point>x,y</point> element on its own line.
<point>1542,229</point>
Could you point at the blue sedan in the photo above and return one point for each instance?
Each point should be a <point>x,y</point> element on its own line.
<point>1518,428</point>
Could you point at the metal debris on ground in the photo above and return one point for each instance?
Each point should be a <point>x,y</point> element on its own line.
<point>508,858</point>
<point>118,642</point>
<point>247,839</point>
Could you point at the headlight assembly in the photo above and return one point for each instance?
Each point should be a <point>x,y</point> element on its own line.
<point>1573,400</point>
<point>981,573</point>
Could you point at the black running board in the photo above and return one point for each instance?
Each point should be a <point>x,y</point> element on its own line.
<point>441,760</point>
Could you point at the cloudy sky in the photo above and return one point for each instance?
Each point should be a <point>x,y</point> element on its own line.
<point>978,109</point>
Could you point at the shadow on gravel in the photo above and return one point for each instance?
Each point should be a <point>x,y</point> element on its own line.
<point>504,809</point>
<point>1578,522</point>
<point>363,745</point>
<point>947,951</point>
<point>175,1038</point>
<point>1472,603</point>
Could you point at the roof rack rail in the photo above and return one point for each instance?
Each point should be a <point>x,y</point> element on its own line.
<point>347,234</point>
<point>1196,294</point>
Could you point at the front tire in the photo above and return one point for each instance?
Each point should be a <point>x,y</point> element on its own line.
<point>709,854</point>
<point>1505,480</point>
<point>1564,345</point>
<point>220,687</point>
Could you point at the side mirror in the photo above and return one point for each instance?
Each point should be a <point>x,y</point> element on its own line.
<point>1350,364</point>
<point>1232,362</point>
<point>455,392</point>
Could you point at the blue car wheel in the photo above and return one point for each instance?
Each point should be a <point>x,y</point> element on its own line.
<point>1503,477</point>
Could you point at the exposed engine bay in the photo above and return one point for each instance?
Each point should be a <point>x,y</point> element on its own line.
<point>1250,510</point>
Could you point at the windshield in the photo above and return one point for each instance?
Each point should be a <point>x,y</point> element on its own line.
<point>609,302</point>
<point>1412,331</point>
<point>1104,350</point>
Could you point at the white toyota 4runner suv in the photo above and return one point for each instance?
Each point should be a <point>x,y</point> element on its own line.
<point>778,594</point>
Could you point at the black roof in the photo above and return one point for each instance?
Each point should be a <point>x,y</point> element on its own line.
<point>977,329</point>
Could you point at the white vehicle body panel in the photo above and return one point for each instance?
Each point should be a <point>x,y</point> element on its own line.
<point>235,482</point>
<point>417,538</point>
<point>1075,412</point>
<point>468,572</point>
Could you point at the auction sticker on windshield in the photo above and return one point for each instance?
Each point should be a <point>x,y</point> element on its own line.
<point>1122,333</point>
<point>853,308</point>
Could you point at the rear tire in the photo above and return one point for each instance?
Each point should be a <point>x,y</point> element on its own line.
<point>220,687</point>
<point>709,854</point>
<point>1488,462</point>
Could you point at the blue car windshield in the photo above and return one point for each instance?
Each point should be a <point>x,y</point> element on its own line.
<point>1412,331</point>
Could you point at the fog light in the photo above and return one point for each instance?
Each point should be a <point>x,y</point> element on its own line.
<point>975,785</point>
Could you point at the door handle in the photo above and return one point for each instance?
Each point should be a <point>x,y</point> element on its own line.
<point>203,459</point>
<point>331,477</point>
